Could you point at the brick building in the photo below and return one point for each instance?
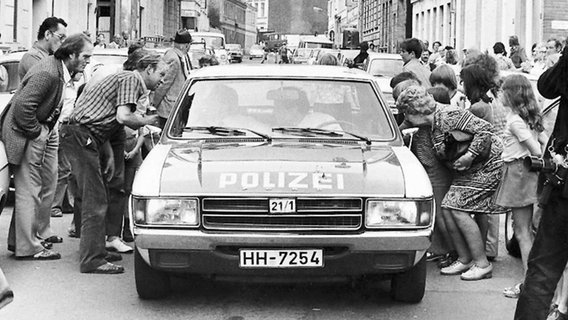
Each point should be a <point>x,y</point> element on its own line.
<point>235,19</point>
<point>385,23</point>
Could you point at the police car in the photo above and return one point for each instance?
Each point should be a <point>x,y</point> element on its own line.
<point>271,173</point>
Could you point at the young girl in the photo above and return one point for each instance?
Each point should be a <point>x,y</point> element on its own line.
<point>523,136</point>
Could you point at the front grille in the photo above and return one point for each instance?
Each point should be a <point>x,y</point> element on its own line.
<point>325,214</point>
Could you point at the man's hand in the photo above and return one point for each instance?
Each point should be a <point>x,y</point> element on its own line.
<point>464,162</point>
<point>107,161</point>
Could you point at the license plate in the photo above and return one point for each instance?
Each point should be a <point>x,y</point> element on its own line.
<point>282,205</point>
<point>304,258</point>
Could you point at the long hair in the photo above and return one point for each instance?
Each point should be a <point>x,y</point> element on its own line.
<point>476,82</point>
<point>518,95</point>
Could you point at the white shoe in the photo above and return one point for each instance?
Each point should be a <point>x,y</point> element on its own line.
<point>455,268</point>
<point>478,273</point>
<point>119,246</point>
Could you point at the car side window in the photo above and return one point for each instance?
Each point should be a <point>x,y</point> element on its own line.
<point>9,79</point>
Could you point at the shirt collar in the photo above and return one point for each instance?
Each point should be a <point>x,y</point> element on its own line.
<point>66,75</point>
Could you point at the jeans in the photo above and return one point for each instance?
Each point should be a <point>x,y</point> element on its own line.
<point>84,157</point>
<point>34,180</point>
<point>116,195</point>
<point>547,260</point>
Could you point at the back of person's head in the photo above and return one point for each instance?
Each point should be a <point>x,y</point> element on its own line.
<point>517,94</point>
<point>513,41</point>
<point>451,56</point>
<point>135,46</point>
<point>499,48</point>
<point>49,24</point>
<point>328,59</point>
<point>477,82</point>
<point>74,44</point>
<point>403,76</point>
<point>399,88</point>
<point>149,60</point>
<point>364,46</point>
<point>440,94</point>
<point>412,45</point>
<point>487,63</point>
<point>416,101</point>
<point>133,58</point>
<point>445,76</point>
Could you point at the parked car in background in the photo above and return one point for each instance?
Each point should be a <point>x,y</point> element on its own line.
<point>384,66</point>
<point>235,52</point>
<point>306,45</point>
<point>215,41</point>
<point>289,174</point>
<point>256,51</point>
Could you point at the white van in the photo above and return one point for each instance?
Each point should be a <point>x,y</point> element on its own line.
<point>306,45</point>
<point>215,41</point>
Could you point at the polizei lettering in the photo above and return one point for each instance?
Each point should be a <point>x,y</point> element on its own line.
<point>292,180</point>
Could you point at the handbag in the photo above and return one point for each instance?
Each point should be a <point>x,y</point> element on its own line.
<point>457,143</point>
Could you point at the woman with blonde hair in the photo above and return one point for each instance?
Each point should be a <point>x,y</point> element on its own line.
<point>475,176</point>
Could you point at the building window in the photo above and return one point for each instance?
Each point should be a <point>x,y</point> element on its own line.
<point>262,13</point>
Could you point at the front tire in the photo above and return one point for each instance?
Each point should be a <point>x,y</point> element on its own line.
<point>409,286</point>
<point>150,283</point>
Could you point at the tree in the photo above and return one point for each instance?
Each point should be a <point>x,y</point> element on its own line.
<point>214,17</point>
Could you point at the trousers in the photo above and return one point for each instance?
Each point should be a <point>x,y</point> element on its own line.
<point>547,260</point>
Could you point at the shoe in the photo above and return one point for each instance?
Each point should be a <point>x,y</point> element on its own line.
<point>477,273</point>
<point>107,268</point>
<point>514,291</point>
<point>430,256</point>
<point>555,314</point>
<point>42,255</point>
<point>456,268</point>
<point>54,239</point>
<point>448,259</point>
<point>56,213</point>
<point>47,245</point>
<point>127,236</point>
<point>119,246</point>
<point>112,257</point>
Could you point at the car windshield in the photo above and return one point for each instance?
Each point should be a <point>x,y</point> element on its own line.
<point>233,46</point>
<point>211,41</point>
<point>108,59</point>
<point>385,67</point>
<point>256,47</point>
<point>264,105</point>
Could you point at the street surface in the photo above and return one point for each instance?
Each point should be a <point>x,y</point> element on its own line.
<point>56,290</point>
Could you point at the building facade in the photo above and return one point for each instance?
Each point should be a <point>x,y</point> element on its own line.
<point>306,17</point>
<point>342,14</point>
<point>194,15</point>
<point>385,23</point>
<point>230,18</point>
<point>261,19</point>
<point>481,23</point>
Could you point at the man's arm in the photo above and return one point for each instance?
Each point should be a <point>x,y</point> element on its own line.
<point>554,81</point>
<point>125,116</point>
<point>27,100</point>
<point>174,66</point>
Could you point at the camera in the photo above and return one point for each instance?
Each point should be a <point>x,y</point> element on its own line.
<point>537,164</point>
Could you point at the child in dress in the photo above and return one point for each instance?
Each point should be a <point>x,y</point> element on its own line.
<point>523,136</point>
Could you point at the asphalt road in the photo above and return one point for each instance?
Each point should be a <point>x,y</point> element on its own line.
<point>56,290</point>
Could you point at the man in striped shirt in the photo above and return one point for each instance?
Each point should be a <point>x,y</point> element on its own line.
<point>100,115</point>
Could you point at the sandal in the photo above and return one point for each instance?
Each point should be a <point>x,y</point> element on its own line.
<point>42,255</point>
<point>108,268</point>
<point>514,291</point>
<point>54,239</point>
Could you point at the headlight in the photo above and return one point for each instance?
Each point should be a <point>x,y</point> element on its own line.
<point>391,213</point>
<point>165,211</point>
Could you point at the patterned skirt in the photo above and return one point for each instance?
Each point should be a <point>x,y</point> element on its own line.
<point>473,190</point>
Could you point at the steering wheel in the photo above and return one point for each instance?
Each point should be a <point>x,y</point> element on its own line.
<point>343,124</point>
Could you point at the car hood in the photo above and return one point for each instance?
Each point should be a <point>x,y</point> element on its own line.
<point>284,169</point>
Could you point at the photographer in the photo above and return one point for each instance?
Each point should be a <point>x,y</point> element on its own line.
<point>549,253</point>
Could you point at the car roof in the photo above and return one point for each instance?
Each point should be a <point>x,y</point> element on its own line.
<point>385,56</point>
<point>13,56</point>
<point>284,71</point>
<point>110,52</point>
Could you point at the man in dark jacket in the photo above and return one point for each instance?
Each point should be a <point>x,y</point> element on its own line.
<point>549,253</point>
<point>31,139</point>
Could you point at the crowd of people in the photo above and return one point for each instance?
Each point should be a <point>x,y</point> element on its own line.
<point>476,128</point>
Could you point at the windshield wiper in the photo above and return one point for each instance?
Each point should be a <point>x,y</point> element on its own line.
<point>329,133</point>
<point>227,131</point>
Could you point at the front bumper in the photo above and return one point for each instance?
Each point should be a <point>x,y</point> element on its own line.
<point>345,256</point>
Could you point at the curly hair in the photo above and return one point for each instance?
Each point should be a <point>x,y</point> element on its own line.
<point>416,100</point>
<point>517,94</point>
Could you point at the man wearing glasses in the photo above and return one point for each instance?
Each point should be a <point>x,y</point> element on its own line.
<point>52,32</point>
